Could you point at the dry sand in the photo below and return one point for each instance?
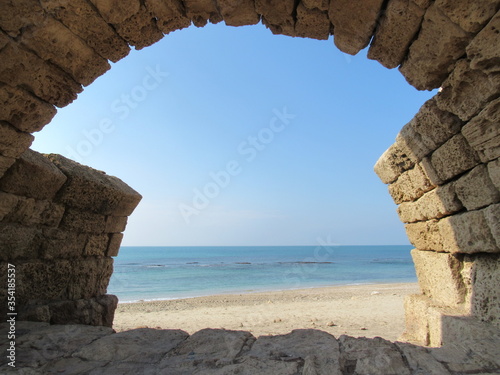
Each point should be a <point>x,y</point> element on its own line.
<point>360,310</point>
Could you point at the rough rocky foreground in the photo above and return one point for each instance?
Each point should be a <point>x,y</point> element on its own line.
<point>77,349</point>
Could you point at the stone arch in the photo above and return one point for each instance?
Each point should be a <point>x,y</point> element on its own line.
<point>61,222</point>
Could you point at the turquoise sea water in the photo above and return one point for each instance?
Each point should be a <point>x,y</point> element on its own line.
<point>151,273</point>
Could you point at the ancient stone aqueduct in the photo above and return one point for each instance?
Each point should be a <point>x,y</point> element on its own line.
<point>61,222</point>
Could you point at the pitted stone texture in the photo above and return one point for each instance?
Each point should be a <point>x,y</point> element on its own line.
<point>8,203</point>
<point>416,321</point>
<point>397,28</point>
<point>117,11</point>
<point>202,11</point>
<point>23,110</point>
<point>312,23</point>
<point>15,15</point>
<point>114,244</point>
<point>453,158</point>
<point>421,361</point>
<point>486,294</point>
<point>429,129</point>
<point>238,12</point>
<point>475,189</point>
<point>140,30</point>
<point>492,215</point>
<point>33,175</point>
<point>31,212</point>
<point>54,42</point>
<point>393,162</point>
<point>5,163</point>
<point>62,244</point>
<point>25,69</point>
<point>411,185</point>
<point>84,21</point>
<point>353,23</point>
<point>170,15</point>
<point>12,141</point>
<point>467,91</point>
<point>471,16</point>
<point>483,51</point>
<point>431,57</point>
<point>96,245</point>
<point>92,190</point>
<point>371,357</point>
<point>483,132</point>
<point>115,224</point>
<point>494,172</point>
<point>18,242</point>
<point>83,221</point>
<point>277,15</point>
<point>439,277</point>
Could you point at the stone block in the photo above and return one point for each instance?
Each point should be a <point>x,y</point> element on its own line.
<point>90,190</point>
<point>33,175</point>
<point>84,21</point>
<point>62,244</point>
<point>96,245</point>
<point>393,162</point>
<point>494,172</point>
<point>115,224</point>
<point>90,277</point>
<point>398,25</point>
<point>19,14</point>
<point>467,233</point>
<point>170,15</point>
<point>238,12</point>
<point>98,311</point>
<point>475,189</point>
<point>54,42</point>
<point>18,242</point>
<point>416,323</point>
<point>429,129</point>
<point>25,69</point>
<point>410,186</point>
<point>31,212</point>
<point>8,202</point>
<point>317,4</point>
<point>114,244</point>
<point>492,216</point>
<point>117,11</point>
<point>439,277</point>
<point>471,16</point>
<point>353,23</point>
<point>83,221</point>
<point>483,49</point>
<point>483,132</point>
<point>13,142</point>
<point>467,91</point>
<point>5,164</point>
<point>486,291</point>
<point>453,158</point>
<point>312,23</point>
<point>420,361</point>
<point>277,15</point>
<point>432,55</point>
<point>4,39</point>
<point>23,110</point>
<point>202,11</point>
<point>425,235</point>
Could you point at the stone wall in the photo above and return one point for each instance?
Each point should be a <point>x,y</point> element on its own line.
<point>60,221</point>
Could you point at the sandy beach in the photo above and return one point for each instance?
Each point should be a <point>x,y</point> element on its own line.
<point>360,310</point>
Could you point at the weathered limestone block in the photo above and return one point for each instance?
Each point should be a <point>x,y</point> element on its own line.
<point>416,322</point>
<point>435,204</point>
<point>486,293</point>
<point>18,242</point>
<point>312,23</point>
<point>483,49</point>
<point>492,215</point>
<point>431,57</point>
<point>98,311</point>
<point>420,361</point>
<point>96,245</point>
<point>453,158</point>
<point>84,21</point>
<point>425,235</point>
<point>92,190</point>
<point>30,212</point>
<point>13,142</point>
<point>467,91</point>
<point>316,4</point>
<point>202,11</point>
<point>33,175</point>
<point>439,277</point>
<point>398,25</point>
<point>5,164</point>
<point>15,15</point>
<point>411,185</point>
<point>4,39</point>
<point>353,23</point>
<point>429,129</point>
<point>83,221</point>
<point>277,15</point>
<point>238,12</point>
<point>117,11</point>
<point>8,203</point>
<point>140,30</point>
<point>23,110</point>
<point>114,244</point>
<point>25,69</point>
<point>170,15</point>
<point>115,224</point>
<point>494,172</point>
<point>54,42</point>
<point>483,132</point>
<point>62,244</point>
<point>468,233</point>
<point>371,357</point>
<point>471,16</point>
<point>393,162</point>
<point>475,189</point>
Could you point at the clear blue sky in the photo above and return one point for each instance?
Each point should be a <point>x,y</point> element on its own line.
<point>204,103</point>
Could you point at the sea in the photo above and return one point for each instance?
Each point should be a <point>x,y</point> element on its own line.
<point>163,273</point>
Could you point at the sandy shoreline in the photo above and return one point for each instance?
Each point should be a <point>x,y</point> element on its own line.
<point>358,310</point>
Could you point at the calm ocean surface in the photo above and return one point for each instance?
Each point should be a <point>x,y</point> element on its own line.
<point>151,273</point>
